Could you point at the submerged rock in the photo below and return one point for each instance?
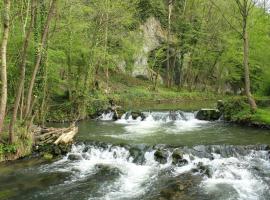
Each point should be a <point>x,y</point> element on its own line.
<point>107,170</point>
<point>161,156</point>
<point>201,168</point>
<point>137,153</point>
<point>135,115</point>
<point>75,157</point>
<point>177,158</point>
<point>208,114</point>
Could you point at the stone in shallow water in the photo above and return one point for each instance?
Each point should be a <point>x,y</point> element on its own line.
<point>75,157</point>
<point>203,170</point>
<point>208,114</point>
<point>161,156</point>
<point>177,158</point>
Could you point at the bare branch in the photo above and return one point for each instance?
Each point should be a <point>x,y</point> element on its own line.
<point>227,20</point>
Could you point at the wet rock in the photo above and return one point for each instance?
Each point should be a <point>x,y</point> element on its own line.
<point>208,114</point>
<point>220,106</point>
<point>201,152</point>
<point>57,150</point>
<point>161,156</point>
<point>135,115</point>
<point>137,155</point>
<point>75,157</point>
<point>179,187</point>
<point>177,158</point>
<point>173,115</point>
<point>107,170</point>
<point>202,169</point>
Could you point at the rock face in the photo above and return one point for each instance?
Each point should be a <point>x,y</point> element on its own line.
<point>208,114</point>
<point>153,36</point>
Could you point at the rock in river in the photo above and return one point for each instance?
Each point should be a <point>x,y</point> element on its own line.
<point>161,156</point>
<point>208,114</point>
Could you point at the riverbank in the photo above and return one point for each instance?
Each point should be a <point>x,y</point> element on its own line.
<point>131,94</point>
<point>46,143</point>
<point>237,110</point>
<point>21,147</point>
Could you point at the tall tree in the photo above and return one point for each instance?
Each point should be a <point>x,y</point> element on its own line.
<point>3,101</point>
<point>170,2</point>
<point>245,7</point>
<point>22,71</point>
<point>39,56</point>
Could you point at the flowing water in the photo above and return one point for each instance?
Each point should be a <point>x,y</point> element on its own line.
<point>134,159</point>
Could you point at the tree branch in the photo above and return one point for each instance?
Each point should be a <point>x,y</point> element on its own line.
<point>223,15</point>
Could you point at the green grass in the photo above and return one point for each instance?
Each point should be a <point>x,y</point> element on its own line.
<point>21,147</point>
<point>238,110</point>
<point>262,115</point>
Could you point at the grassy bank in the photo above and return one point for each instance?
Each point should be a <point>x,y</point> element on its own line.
<point>237,110</point>
<point>21,147</point>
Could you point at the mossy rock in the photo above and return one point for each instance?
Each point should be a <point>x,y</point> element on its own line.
<point>161,156</point>
<point>47,156</point>
<point>208,114</point>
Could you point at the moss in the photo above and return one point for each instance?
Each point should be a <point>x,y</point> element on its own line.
<point>6,194</point>
<point>48,156</point>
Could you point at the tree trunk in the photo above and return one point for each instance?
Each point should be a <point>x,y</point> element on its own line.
<point>168,42</point>
<point>22,72</point>
<point>3,101</point>
<point>106,45</point>
<point>251,100</point>
<point>39,56</point>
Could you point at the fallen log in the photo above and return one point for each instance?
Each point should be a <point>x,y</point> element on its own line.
<point>55,135</point>
<point>67,137</point>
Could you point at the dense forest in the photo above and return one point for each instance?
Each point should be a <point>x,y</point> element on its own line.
<point>68,55</point>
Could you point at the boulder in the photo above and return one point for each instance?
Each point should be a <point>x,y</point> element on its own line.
<point>161,156</point>
<point>208,114</point>
<point>75,157</point>
<point>203,170</point>
<point>177,158</point>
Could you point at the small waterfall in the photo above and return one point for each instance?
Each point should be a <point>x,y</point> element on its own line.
<point>106,116</point>
<point>242,172</point>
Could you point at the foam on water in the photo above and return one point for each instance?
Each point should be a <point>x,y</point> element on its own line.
<point>106,116</point>
<point>133,181</point>
<point>237,177</point>
<point>169,122</point>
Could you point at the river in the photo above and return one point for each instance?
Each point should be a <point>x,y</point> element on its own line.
<point>135,159</point>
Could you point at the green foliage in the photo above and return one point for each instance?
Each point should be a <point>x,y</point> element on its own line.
<point>152,8</point>
<point>238,110</point>
<point>7,148</point>
<point>88,37</point>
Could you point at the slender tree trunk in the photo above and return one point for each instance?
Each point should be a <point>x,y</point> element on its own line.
<point>251,100</point>
<point>69,55</point>
<point>39,56</point>
<point>168,42</point>
<point>26,17</point>
<point>22,72</point>
<point>106,44</point>
<point>3,100</point>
